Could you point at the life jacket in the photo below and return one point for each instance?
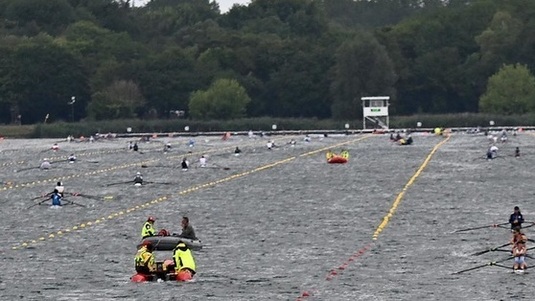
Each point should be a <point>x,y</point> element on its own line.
<point>183,258</point>
<point>147,230</point>
<point>144,261</point>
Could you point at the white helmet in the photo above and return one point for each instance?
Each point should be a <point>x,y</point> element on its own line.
<point>138,173</point>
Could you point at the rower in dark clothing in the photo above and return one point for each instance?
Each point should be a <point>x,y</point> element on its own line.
<point>185,164</point>
<point>517,152</point>
<point>516,219</point>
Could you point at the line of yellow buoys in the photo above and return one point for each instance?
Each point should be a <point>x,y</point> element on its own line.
<point>397,201</point>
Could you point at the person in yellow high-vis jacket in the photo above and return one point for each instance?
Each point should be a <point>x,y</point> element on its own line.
<point>145,259</point>
<point>184,262</point>
<point>148,228</point>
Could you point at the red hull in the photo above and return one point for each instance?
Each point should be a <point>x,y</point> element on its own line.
<point>337,159</point>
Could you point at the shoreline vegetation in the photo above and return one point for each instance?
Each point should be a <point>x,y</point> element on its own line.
<point>265,124</point>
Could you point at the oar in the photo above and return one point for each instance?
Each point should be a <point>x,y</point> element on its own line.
<point>530,225</point>
<point>483,265</point>
<point>40,197</point>
<point>86,196</point>
<point>161,183</point>
<point>222,167</point>
<point>491,249</point>
<point>163,166</point>
<point>38,203</point>
<point>119,183</point>
<point>480,227</point>
<point>59,161</point>
<point>73,203</point>
<point>27,168</point>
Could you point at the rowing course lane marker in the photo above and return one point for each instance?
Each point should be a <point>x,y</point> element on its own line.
<point>386,219</point>
<point>398,199</point>
<point>85,225</point>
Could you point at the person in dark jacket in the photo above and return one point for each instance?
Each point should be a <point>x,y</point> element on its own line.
<point>516,219</point>
<point>187,229</point>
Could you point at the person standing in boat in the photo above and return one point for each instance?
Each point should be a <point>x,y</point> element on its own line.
<point>56,198</point>
<point>517,152</point>
<point>138,179</point>
<point>184,262</point>
<point>144,259</point>
<point>519,252</point>
<point>148,228</point>
<point>187,229</point>
<point>516,219</point>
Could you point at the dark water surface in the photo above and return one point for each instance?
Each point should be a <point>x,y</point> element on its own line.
<point>270,233</point>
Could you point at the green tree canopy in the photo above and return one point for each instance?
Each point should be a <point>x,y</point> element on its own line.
<point>119,100</point>
<point>225,99</point>
<point>510,91</point>
<point>362,68</point>
<point>49,16</point>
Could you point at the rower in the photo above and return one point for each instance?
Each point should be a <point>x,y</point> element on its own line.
<point>517,152</point>
<point>518,236</point>
<point>519,252</point>
<point>167,147</point>
<point>516,219</point>
<point>237,151</point>
<point>138,180</point>
<point>60,188</point>
<point>55,147</point>
<point>56,198</point>
<point>72,158</point>
<point>185,164</point>
<point>202,161</point>
<point>135,147</point>
<point>45,164</point>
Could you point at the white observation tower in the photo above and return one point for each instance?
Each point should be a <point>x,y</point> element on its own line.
<point>375,112</point>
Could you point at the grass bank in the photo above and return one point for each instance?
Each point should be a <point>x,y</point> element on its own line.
<point>86,128</point>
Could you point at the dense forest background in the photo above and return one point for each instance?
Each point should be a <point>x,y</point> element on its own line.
<point>276,58</point>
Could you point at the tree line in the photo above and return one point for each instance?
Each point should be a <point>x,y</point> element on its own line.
<point>276,58</point>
